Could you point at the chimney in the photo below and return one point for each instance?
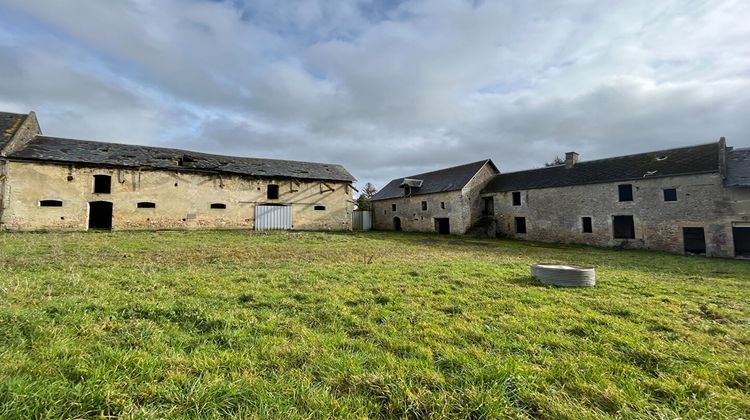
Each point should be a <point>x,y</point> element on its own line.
<point>571,158</point>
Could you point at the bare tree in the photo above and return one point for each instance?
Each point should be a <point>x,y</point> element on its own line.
<point>363,201</point>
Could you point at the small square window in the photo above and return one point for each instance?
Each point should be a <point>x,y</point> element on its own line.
<point>442,205</point>
<point>320,208</point>
<point>218,206</point>
<point>625,192</point>
<point>516,198</point>
<point>586,225</point>
<point>272,192</point>
<point>102,184</point>
<point>670,194</point>
<point>520,225</point>
<point>146,205</point>
<point>393,207</point>
<point>424,206</point>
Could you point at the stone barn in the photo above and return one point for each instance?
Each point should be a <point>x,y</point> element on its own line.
<point>50,183</point>
<point>444,201</point>
<point>692,200</point>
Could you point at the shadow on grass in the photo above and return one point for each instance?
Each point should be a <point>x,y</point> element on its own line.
<point>526,281</point>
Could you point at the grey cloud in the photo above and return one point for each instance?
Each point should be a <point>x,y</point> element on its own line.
<point>386,89</point>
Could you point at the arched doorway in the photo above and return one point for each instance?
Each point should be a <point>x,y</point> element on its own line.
<point>100,215</point>
<point>397,224</point>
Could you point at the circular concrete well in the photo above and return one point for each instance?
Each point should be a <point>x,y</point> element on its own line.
<point>564,275</point>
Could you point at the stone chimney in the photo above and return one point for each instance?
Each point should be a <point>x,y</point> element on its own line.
<point>571,158</point>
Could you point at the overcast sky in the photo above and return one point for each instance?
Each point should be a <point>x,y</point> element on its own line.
<point>386,88</point>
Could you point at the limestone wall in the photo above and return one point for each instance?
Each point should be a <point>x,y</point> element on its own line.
<point>414,219</point>
<point>554,214</point>
<point>182,199</point>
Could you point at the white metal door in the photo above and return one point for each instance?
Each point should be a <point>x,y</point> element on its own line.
<point>361,220</point>
<point>273,217</point>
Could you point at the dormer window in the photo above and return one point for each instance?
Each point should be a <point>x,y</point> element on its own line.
<point>410,186</point>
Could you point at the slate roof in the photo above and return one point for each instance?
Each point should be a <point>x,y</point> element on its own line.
<point>448,179</point>
<point>681,161</point>
<point>738,168</point>
<point>9,124</point>
<point>92,153</point>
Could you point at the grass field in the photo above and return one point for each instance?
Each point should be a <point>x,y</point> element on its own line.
<point>363,325</point>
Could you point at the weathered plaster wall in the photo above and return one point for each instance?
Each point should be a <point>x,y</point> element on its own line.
<point>24,134</point>
<point>554,214</point>
<point>182,199</point>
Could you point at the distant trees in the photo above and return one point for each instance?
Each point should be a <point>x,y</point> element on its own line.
<point>363,201</point>
<point>555,162</point>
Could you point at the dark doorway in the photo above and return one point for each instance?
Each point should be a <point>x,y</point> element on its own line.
<point>694,239</point>
<point>100,215</point>
<point>489,206</point>
<point>443,225</point>
<point>397,224</point>
<point>741,241</point>
<point>623,227</point>
<point>520,225</point>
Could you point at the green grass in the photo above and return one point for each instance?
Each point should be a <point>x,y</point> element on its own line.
<point>363,325</point>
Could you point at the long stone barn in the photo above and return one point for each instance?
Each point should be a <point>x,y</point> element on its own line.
<point>50,183</point>
<point>693,200</point>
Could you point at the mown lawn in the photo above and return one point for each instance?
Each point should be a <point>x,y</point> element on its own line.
<point>363,325</point>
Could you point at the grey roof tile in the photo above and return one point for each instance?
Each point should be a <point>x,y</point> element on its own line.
<point>448,179</point>
<point>91,153</point>
<point>9,124</point>
<point>738,168</point>
<point>681,161</point>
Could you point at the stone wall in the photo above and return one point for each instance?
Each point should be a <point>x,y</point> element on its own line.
<point>182,199</point>
<point>554,214</point>
<point>414,219</point>
<point>462,208</point>
<point>473,205</point>
<point>24,134</point>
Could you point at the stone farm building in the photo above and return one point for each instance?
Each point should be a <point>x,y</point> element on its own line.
<point>445,201</point>
<point>49,183</point>
<point>687,200</point>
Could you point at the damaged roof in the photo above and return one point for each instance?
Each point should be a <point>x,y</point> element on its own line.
<point>448,179</point>
<point>92,153</point>
<point>738,168</point>
<point>673,162</point>
<point>9,124</point>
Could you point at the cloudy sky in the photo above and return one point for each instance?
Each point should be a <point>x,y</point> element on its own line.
<point>387,88</point>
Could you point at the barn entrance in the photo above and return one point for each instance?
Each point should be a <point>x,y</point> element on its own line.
<point>694,239</point>
<point>443,225</point>
<point>397,224</point>
<point>741,241</point>
<point>273,217</point>
<point>100,215</point>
